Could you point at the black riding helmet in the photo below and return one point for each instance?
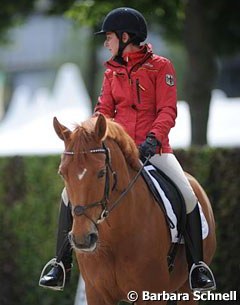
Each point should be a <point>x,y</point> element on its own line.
<point>125,19</point>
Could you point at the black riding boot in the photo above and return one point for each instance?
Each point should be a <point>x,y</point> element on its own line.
<point>62,264</point>
<point>200,276</point>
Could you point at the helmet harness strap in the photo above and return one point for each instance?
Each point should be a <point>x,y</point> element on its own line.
<point>122,45</point>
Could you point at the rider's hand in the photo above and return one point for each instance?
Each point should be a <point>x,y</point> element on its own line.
<point>149,147</point>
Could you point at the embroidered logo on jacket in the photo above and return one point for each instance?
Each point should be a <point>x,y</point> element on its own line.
<point>169,79</point>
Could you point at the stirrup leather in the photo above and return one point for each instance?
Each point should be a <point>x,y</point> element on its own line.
<point>201,264</point>
<point>53,262</point>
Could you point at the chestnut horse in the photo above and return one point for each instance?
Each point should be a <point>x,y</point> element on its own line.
<point>119,234</point>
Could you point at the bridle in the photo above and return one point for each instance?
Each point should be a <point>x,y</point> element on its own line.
<point>80,210</point>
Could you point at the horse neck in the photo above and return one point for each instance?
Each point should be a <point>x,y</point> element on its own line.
<point>136,221</point>
<point>129,204</point>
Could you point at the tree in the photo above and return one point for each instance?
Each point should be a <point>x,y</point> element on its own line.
<point>16,11</point>
<point>13,12</point>
<point>211,30</point>
<point>207,29</point>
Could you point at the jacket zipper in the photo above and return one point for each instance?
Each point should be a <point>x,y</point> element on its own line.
<point>138,91</point>
<point>138,87</point>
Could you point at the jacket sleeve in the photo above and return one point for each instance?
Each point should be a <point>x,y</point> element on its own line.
<point>166,101</point>
<point>105,104</point>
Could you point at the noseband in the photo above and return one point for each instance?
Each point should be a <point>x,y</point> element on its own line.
<point>104,202</point>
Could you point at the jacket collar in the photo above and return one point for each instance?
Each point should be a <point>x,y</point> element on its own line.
<point>133,59</point>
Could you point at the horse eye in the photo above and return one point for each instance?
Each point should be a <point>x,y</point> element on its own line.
<point>101,173</point>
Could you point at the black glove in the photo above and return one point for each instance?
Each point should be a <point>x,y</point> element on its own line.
<point>149,147</point>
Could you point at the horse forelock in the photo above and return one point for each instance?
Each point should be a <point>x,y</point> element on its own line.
<point>83,138</point>
<point>80,140</point>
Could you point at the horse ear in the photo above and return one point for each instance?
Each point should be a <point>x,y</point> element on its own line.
<point>100,127</point>
<point>62,131</point>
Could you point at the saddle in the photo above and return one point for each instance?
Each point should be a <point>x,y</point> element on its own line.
<point>169,199</point>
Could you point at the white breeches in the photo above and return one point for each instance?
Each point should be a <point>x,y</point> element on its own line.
<point>169,164</point>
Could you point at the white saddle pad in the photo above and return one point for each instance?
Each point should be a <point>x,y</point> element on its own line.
<point>170,212</point>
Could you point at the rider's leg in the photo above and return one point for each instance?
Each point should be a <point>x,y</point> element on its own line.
<point>200,276</point>
<point>55,277</point>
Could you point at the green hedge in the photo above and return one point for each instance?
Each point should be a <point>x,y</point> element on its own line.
<point>218,170</point>
<point>29,194</point>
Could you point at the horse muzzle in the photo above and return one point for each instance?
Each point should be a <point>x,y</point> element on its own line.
<point>85,243</point>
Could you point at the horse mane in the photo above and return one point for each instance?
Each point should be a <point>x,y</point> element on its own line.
<point>83,134</point>
<point>125,142</point>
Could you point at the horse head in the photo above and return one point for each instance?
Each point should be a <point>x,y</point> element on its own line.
<point>86,168</point>
<point>83,169</point>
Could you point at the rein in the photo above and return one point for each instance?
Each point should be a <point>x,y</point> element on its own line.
<point>104,202</point>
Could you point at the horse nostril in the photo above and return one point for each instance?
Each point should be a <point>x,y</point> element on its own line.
<point>85,242</point>
<point>93,237</point>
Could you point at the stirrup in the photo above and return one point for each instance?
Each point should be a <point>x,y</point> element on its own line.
<point>201,264</point>
<point>53,262</point>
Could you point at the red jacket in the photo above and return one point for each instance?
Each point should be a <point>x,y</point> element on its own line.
<point>141,96</point>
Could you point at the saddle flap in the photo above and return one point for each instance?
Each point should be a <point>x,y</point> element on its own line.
<point>168,197</point>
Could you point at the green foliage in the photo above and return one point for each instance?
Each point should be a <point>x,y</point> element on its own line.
<point>16,11</point>
<point>218,172</point>
<point>220,16</point>
<point>29,194</point>
<point>168,14</point>
<point>86,12</point>
<point>13,12</point>
<point>226,205</point>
